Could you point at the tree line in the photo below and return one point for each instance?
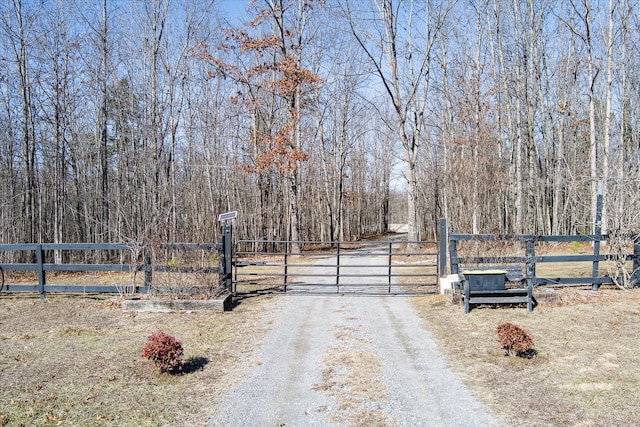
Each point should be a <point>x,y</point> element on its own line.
<point>316,120</point>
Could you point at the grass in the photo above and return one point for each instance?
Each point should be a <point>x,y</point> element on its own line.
<point>586,372</point>
<point>77,361</point>
<point>73,360</point>
<point>180,285</point>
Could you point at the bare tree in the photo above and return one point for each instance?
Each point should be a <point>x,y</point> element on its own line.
<point>607,126</point>
<point>584,11</point>
<point>277,69</point>
<point>502,114</point>
<point>102,123</point>
<point>398,38</point>
<point>19,27</point>
<point>58,52</point>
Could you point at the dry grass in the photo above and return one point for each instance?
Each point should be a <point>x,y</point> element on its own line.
<point>193,285</point>
<point>351,376</point>
<point>180,285</point>
<point>74,278</point>
<point>586,373</point>
<point>76,361</point>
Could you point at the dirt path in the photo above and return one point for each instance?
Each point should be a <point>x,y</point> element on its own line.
<point>348,361</point>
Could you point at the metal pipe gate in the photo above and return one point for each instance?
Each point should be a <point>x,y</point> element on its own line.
<point>363,267</point>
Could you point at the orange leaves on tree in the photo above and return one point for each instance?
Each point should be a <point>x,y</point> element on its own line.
<point>293,76</point>
<point>248,44</point>
<point>278,151</point>
<point>276,68</point>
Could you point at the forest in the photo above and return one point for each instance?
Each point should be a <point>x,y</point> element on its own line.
<point>143,120</point>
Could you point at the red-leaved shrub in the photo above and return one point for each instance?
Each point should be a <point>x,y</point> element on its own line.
<point>164,351</point>
<point>515,340</point>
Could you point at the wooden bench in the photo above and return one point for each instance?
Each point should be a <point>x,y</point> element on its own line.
<point>488,286</point>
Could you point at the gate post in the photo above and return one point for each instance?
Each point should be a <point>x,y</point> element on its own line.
<point>228,254</point>
<point>225,257</point>
<point>442,255</point>
<point>338,268</point>
<point>225,251</point>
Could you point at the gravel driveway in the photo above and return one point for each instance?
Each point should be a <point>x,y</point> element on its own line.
<point>333,360</point>
<point>356,359</point>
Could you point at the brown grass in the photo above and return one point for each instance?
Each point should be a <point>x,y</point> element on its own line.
<point>76,361</point>
<point>351,376</point>
<point>587,370</point>
<point>75,278</point>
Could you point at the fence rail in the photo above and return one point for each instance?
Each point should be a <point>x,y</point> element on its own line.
<point>531,259</point>
<point>40,253</point>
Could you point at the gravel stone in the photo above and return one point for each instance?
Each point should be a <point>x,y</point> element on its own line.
<point>332,360</point>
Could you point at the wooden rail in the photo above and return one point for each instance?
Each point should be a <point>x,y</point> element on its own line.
<point>531,259</point>
<point>39,251</point>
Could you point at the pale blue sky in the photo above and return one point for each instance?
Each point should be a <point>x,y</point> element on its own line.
<point>233,9</point>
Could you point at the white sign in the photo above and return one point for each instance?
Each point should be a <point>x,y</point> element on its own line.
<point>227,216</point>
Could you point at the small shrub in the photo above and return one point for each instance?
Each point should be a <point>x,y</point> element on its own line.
<point>575,246</point>
<point>164,351</point>
<point>515,340</point>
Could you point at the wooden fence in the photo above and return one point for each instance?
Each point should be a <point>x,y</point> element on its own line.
<point>530,260</point>
<point>139,259</point>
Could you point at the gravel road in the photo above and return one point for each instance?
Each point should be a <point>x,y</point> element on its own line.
<point>348,361</point>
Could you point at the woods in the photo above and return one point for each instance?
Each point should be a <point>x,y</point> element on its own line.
<point>317,120</point>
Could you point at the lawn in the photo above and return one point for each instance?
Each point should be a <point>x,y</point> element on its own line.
<point>587,368</point>
<point>74,360</point>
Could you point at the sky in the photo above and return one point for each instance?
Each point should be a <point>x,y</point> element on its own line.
<point>233,9</point>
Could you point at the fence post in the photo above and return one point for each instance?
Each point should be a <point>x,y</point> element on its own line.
<point>228,255</point>
<point>530,255</point>
<point>148,271</point>
<point>635,274</point>
<point>390,272</point>
<point>595,271</point>
<point>338,268</point>
<point>286,265</point>
<point>41,274</point>
<point>442,256</point>
<point>453,254</point>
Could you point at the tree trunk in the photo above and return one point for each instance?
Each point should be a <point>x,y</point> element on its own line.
<point>104,141</point>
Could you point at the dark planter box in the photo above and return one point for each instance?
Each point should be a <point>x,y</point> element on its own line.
<point>486,280</point>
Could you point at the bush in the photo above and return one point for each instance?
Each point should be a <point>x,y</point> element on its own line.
<point>515,340</point>
<point>164,351</point>
<point>575,246</point>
